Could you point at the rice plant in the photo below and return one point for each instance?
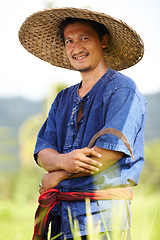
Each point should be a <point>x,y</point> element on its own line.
<point>96,234</point>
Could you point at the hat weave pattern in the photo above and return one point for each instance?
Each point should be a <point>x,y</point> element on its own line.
<point>40,35</point>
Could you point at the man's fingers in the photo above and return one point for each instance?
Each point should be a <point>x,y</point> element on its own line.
<point>91,151</point>
<point>95,154</point>
<point>88,165</point>
<point>41,190</point>
<point>93,162</point>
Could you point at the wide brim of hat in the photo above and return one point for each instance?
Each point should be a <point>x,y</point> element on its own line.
<point>40,35</point>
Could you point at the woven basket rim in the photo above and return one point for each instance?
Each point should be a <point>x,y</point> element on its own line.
<point>40,35</point>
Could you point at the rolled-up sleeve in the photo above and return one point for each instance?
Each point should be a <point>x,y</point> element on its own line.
<point>123,113</point>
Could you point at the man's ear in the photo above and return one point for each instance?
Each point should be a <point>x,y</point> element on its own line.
<point>104,40</point>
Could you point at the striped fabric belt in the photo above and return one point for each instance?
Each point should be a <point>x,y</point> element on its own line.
<point>50,198</point>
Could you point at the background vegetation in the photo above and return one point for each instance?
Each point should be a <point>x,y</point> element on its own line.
<point>20,121</point>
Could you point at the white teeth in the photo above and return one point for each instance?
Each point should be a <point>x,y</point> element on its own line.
<point>80,57</point>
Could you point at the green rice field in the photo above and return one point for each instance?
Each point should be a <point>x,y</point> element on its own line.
<point>17,218</point>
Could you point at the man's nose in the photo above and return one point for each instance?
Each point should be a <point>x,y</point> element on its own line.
<point>77,47</point>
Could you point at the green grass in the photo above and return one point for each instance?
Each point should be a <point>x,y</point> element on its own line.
<point>17,219</point>
<point>146,215</point>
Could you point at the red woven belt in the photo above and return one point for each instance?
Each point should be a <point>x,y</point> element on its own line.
<point>50,198</point>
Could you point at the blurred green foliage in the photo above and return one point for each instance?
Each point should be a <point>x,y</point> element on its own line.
<point>151,171</point>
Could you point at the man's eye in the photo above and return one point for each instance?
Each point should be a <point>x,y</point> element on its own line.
<point>68,41</point>
<point>84,38</point>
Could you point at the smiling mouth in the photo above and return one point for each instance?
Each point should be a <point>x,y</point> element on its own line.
<point>79,57</point>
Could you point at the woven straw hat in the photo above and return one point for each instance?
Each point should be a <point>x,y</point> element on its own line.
<point>40,35</point>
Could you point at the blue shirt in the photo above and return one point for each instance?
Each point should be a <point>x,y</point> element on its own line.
<point>113,102</point>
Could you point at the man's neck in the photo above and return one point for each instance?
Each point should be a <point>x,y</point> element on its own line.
<point>89,79</point>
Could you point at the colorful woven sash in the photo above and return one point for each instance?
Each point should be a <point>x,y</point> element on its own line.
<point>50,198</point>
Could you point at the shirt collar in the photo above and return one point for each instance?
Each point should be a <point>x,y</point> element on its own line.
<point>78,99</point>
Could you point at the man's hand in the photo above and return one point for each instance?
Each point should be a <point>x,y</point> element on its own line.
<point>51,180</point>
<point>79,160</point>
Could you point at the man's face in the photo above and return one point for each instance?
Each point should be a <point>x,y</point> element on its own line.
<point>83,46</point>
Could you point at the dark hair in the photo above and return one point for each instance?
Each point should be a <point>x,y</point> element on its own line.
<point>98,27</point>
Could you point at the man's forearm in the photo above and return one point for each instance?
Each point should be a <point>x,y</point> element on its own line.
<point>86,160</point>
<point>48,160</point>
<point>52,179</point>
<point>76,161</point>
<point>109,157</point>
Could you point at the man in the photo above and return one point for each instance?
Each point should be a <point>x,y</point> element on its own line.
<point>93,44</point>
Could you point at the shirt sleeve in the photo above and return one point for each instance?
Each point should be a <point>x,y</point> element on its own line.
<point>47,136</point>
<point>123,112</point>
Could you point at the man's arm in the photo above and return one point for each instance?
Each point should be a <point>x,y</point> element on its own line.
<point>102,158</point>
<point>76,161</point>
<point>109,157</point>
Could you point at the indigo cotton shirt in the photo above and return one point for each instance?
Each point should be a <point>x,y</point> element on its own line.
<point>113,102</point>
